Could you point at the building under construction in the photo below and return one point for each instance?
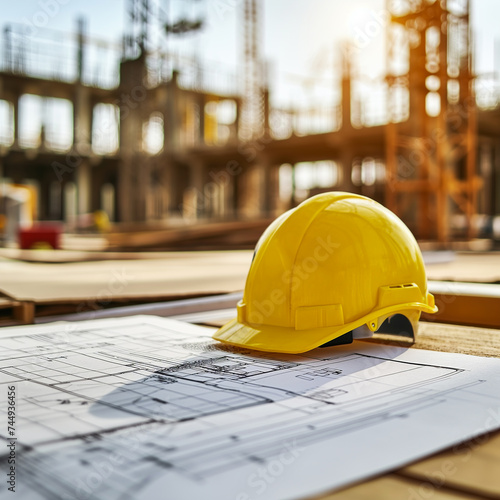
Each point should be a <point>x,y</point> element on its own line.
<point>220,151</point>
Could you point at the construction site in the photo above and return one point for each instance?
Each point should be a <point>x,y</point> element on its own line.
<point>250,249</point>
<point>158,142</point>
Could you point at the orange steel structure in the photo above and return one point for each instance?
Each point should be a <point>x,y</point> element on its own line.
<point>431,156</point>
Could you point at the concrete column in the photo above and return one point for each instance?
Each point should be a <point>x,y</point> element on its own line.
<point>166,175</point>
<point>70,203</point>
<point>251,187</point>
<point>187,187</point>
<point>172,118</point>
<point>200,138</point>
<point>203,197</point>
<point>107,200</point>
<point>125,191</point>
<point>237,120</point>
<point>221,188</point>
<point>15,103</point>
<point>83,186</point>
<point>143,191</point>
<point>345,164</point>
<point>228,196</point>
<point>496,177</point>
<point>270,188</point>
<point>132,182</point>
<point>82,120</point>
<point>82,107</point>
<point>55,200</point>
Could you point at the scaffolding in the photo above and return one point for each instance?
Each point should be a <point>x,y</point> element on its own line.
<point>253,102</point>
<point>431,152</point>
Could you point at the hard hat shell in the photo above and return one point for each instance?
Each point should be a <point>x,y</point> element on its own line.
<point>332,264</point>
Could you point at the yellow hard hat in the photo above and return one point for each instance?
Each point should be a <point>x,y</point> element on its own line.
<point>338,263</point>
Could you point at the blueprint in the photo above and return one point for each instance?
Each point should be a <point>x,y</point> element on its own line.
<point>146,407</point>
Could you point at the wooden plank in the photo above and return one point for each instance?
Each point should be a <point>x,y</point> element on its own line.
<point>474,267</point>
<point>22,312</point>
<point>215,235</point>
<point>197,310</point>
<point>473,467</point>
<point>476,304</point>
<point>466,310</point>
<point>392,486</point>
<point>465,340</point>
<point>174,275</point>
<point>450,338</point>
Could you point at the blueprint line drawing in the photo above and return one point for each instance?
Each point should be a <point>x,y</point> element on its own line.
<point>145,407</point>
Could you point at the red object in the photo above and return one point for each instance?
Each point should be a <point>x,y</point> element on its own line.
<point>40,235</point>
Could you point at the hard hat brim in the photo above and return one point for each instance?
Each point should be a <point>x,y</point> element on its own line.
<point>290,341</point>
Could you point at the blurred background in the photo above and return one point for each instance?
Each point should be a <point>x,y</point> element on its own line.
<point>190,124</point>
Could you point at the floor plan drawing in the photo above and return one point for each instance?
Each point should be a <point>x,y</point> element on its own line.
<point>135,407</point>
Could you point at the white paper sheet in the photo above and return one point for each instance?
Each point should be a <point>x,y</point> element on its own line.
<point>148,407</point>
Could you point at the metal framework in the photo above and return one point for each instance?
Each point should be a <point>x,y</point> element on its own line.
<point>138,14</point>
<point>431,155</point>
<point>253,103</point>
